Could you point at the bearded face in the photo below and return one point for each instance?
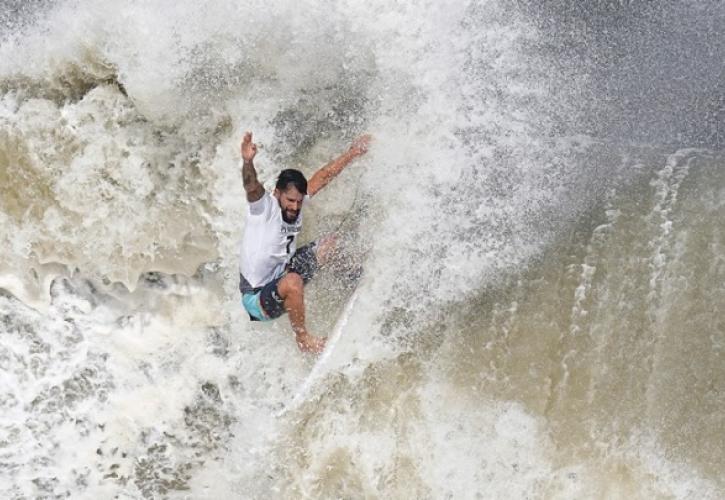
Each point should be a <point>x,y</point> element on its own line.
<point>290,202</point>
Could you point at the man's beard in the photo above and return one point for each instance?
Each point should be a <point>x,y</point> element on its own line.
<point>288,219</point>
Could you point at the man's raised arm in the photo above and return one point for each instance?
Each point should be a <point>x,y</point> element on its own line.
<point>252,186</point>
<point>322,177</point>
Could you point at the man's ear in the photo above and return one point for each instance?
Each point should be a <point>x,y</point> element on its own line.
<point>275,193</point>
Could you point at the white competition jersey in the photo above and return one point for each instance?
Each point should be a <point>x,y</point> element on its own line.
<point>268,243</point>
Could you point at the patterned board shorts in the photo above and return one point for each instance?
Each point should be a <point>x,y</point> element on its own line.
<point>264,303</point>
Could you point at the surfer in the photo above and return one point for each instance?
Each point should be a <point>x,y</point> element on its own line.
<point>273,271</point>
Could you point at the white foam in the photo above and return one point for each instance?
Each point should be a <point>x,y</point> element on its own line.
<point>465,180</point>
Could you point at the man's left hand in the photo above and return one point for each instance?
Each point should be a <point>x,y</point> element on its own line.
<point>360,145</point>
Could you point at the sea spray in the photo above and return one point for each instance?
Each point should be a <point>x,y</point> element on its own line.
<point>540,297</point>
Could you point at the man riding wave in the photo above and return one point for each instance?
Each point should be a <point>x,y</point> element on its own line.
<point>273,271</point>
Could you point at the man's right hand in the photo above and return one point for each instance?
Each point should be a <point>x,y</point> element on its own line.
<point>252,186</point>
<point>249,149</point>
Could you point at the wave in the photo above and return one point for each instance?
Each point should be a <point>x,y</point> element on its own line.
<point>541,243</point>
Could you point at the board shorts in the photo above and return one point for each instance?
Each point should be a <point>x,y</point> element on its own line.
<point>264,303</point>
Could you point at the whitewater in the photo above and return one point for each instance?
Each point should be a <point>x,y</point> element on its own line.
<point>540,221</point>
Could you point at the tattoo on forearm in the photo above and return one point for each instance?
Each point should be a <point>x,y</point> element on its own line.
<point>254,189</point>
<point>249,175</point>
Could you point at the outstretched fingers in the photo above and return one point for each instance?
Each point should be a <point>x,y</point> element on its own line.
<point>249,149</point>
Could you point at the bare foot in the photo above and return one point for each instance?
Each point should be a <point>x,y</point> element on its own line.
<point>310,343</point>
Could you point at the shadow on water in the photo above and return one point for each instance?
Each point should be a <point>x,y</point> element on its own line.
<point>615,331</point>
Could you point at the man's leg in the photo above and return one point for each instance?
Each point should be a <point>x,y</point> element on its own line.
<point>291,290</point>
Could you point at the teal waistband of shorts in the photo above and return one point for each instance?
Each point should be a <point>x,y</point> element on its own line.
<point>251,303</point>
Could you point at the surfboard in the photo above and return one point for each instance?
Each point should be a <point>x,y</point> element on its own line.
<point>321,366</point>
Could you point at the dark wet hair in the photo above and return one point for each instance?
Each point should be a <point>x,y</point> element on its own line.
<point>294,177</point>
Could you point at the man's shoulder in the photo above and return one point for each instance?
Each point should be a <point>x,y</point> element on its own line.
<point>262,206</point>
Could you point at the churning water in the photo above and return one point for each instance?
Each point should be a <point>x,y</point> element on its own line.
<point>541,222</point>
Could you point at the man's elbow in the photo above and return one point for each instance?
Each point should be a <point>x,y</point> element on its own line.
<point>254,192</point>
<point>251,185</point>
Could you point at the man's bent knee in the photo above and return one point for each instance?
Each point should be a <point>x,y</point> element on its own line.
<point>291,283</point>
